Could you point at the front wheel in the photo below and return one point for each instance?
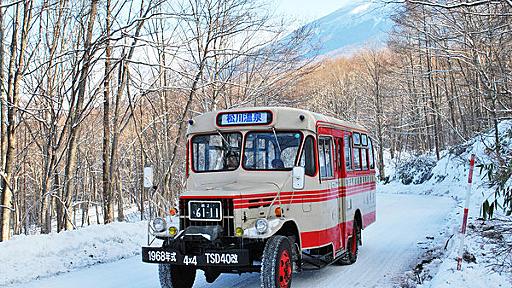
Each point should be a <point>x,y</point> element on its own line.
<point>173,276</point>
<point>276,266</point>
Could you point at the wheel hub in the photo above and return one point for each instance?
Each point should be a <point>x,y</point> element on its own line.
<point>285,269</point>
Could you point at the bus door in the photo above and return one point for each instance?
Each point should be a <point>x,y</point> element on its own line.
<point>345,156</point>
<point>328,150</point>
<point>338,140</point>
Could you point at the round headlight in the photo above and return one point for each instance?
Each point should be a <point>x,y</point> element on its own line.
<point>261,225</point>
<point>159,224</point>
<point>173,230</point>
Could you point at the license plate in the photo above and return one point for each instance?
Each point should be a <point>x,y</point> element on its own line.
<point>238,257</point>
<point>205,210</point>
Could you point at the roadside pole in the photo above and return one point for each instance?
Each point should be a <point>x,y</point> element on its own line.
<point>148,184</point>
<point>466,210</point>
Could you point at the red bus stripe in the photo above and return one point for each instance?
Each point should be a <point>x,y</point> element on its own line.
<point>312,192</point>
<point>294,200</point>
<point>324,237</point>
<point>244,201</point>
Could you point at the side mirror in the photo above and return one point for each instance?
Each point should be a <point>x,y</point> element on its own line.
<point>298,173</point>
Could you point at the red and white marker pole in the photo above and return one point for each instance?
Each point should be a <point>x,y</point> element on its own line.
<point>466,210</point>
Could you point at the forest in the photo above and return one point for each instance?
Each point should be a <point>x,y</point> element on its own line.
<point>94,91</point>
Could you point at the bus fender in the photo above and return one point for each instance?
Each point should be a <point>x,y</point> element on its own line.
<point>276,226</point>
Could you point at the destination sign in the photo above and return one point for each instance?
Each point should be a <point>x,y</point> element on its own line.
<point>244,118</point>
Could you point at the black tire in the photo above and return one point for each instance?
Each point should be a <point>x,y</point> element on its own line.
<point>276,265</point>
<point>353,247</point>
<point>354,243</point>
<point>173,276</point>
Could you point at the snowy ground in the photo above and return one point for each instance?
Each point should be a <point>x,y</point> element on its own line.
<point>405,225</point>
<point>436,267</point>
<point>30,257</point>
<point>448,177</point>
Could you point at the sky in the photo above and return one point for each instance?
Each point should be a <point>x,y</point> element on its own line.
<point>309,9</point>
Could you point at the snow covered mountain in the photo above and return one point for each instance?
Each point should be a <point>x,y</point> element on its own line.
<point>357,24</point>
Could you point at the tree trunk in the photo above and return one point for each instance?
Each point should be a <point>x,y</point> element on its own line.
<point>120,208</point>
<point>74,128</point>
<point>107,185</point>
<point>13,100</point>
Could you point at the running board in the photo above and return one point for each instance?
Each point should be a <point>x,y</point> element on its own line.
<point>311,262</point>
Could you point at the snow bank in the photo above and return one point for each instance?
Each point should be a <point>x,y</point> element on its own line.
<point>478,269</point>
<point>448,177</point>
<point>25,258</point>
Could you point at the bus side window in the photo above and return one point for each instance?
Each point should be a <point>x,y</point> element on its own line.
<point>364,158</point>
<point>357,151</point>
<point>364,151</point>
<point>348,153</point>
<point>337,155</point>
<point>321,157</point>
<point>370,150</point>
<point>328,157</point>
<point>307,159</point>
<point>325,157</point>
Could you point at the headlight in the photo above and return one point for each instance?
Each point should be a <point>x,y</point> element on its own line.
<point>159,224</point>
<point>261,225</point>
<point>173,230</point>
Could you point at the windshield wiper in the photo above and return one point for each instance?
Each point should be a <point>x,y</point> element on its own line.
<point>278,146</point>
<point>224,140</point>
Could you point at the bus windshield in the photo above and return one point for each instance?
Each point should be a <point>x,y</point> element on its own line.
<point>216,152</point>
<point>271,150</point>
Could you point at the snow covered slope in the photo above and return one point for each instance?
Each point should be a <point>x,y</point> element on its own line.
<point>486,242</point>
<point>448,176</point>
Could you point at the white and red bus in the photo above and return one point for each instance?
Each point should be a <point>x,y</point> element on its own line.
<point>273,190</point>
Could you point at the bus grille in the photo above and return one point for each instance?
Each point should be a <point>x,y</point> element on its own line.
<point>227,222</point>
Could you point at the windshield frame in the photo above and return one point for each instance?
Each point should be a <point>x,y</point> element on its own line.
<point>223,133</point>
<point>277,132</point>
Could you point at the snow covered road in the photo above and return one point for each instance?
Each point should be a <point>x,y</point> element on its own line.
<point>390,247</point>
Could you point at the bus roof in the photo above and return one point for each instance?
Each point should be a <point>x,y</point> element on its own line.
<point>283,118</point>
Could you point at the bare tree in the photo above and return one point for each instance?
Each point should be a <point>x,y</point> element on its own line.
<point>16,73</point>
<point>75,119</point>
<point>106,178</point>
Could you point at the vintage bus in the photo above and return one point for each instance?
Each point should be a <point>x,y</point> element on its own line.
<point>273,190</point>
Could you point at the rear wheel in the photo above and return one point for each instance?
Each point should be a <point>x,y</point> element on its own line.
<point>352,246</point>
<point>173,276</point>
<point>354,243</point>
<point>277,266</point>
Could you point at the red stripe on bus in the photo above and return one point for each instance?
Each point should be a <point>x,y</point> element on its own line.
<point>302,197</point>
<point>322,237</point>
<point>308,196</point>
<point>297,199</point>
<point>330,235</point>
<point>369,218</point>
<point>303,193</point>
<point>294,200</point>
